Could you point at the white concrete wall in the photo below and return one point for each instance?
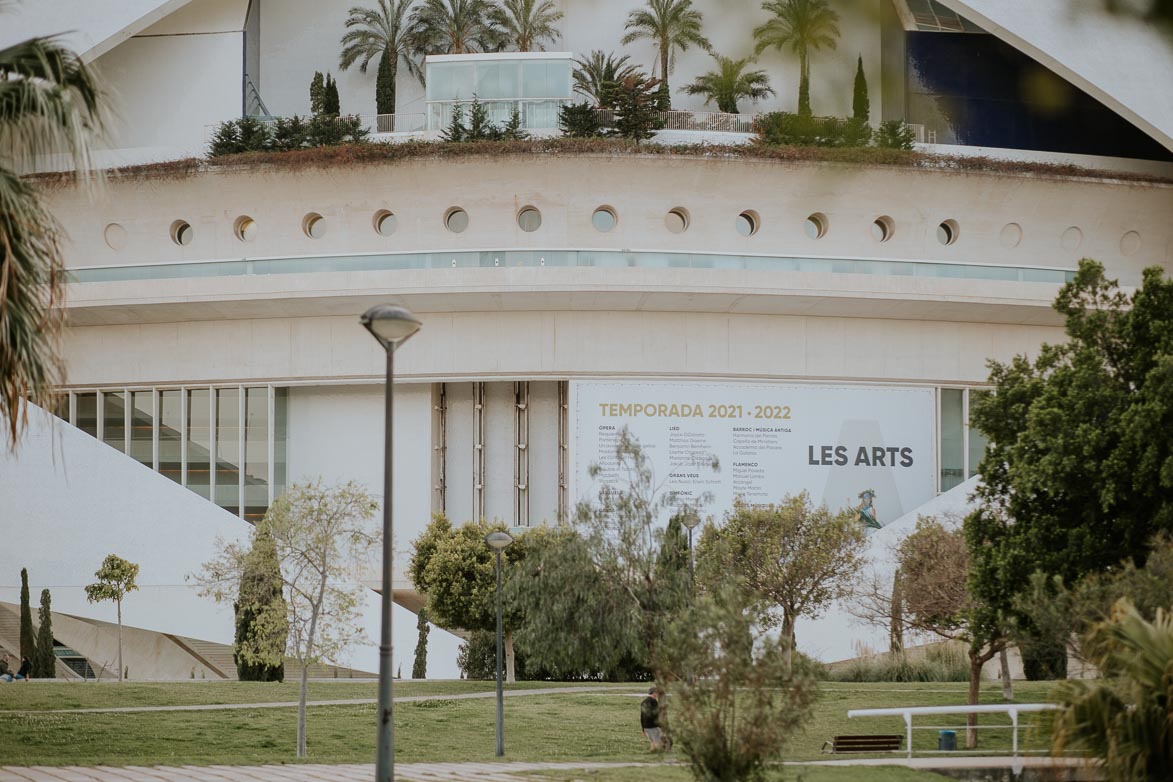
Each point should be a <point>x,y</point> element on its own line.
<point>175,79</point>
<point>544,417</point>
<point>70,500</point>
<point>336,433</point>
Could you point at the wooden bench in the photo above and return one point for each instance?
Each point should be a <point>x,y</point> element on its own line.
<point>890,743</point>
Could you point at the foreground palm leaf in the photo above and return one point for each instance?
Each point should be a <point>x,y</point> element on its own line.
<point>1125,720</point>
<point>50,103</point>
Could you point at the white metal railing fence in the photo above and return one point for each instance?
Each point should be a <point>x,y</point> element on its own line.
<point>908,712</point>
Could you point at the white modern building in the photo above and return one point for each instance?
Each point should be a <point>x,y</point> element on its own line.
<point>817,326</point>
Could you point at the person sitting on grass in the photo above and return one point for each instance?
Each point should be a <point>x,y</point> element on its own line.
<point>649,718</point>
<point>6,673</point>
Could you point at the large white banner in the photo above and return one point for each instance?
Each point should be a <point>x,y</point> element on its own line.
<point>771,440</point>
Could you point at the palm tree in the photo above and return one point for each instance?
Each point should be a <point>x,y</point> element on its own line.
<point>50,103</point>
<point>598,75</point>
<point>802,26</point>
<point>524,23</point>
<point>454,27</point>
<point>730,83</point>
<point>384,32</point>
<point>1124,721</point>
<point>671,25</point>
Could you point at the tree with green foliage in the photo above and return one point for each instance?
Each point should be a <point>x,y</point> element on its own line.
<point>513,129</point>
<point>419,667</point>
<point>262,617</point>
<point>734,699</point>
<point>636,115</point>
<point>670,25</point>
<point>457,130</point>
<point>116,578</point>
<point>598,75</point>
<point>802,26</point>
<point>27,642</point>
<point>457,571</point>
<point>572,622</point>
<point>454,27</point>
<point>861,106</point>
<point>51,104</point>
<point>1073,478</point>
<point>44,661</point>
<point>794,558</point>
<point>934,564</point>
<point>317,93</point>
<point>579,120</point>
<point>730,83</point>
<point>384,31</point>
<point>896,620</point>
<point>895,134</point>
<point>524,24</point>
<point>324,538</point>
<point>1125,720</point>
<point>629,547</point>
<point>331,107</point>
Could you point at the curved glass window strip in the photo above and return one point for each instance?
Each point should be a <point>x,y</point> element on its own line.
<point>565,258</point>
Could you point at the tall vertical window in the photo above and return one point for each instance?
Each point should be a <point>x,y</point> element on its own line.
<point>199,441</point>
<point>952,450</point>
<point>977,447</point>
<point>142,427</point>
<point>87,413</point>
<point>228,449</point>
<point>256,453</point>
<point>280,438</point>
<point>114,419</point>
<point>171,434</point>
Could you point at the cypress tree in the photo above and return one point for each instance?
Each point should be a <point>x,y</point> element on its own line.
<point>419,669</point>
<point>317,92</point>
<point>896,626</point>
<point>330,102</point>
<point>262,621</point>
<point>385,85</point>
<point>861,107</point>
<point>26,617</point>
<point>43,659</point>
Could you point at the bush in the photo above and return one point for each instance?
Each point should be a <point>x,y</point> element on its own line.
<point>579,120</point>
<point>856,133</point>
<point>940,663</point>
<point>477,659</point>
<point>247,134</point>
<point>799,130</point>
<point>895,134</point>
<point>732,704</point>
<point>636,114</point>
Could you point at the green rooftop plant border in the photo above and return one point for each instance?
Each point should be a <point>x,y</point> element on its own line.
<point>349,155</point>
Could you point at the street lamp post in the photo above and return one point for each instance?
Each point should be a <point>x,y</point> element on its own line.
<point>499,541</point>
<point>391,326</point>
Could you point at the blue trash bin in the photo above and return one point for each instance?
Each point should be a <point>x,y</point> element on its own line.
<point>947,740</point>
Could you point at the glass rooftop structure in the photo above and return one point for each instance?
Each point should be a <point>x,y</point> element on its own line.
<point>929,16</point>
<point>535,84</point>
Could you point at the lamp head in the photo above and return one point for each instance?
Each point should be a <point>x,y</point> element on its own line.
<point>498,540</point>
<point>389,324</point>
<point>690,519</point>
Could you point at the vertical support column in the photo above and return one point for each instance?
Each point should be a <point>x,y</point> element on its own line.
<point>439,448</point>
<point>212,432</point>
<point>127,419</point>
<point>183,435</point>
<point>563,451</point>
<point>270,444</point>
<point>908,724</point>
<point>478,451</point>
<point>521,455</point>
<point>241,410</point>
<point>156,412</point>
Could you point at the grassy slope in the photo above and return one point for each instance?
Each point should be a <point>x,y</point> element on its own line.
<point>598,726</point>
<point>790,774</point>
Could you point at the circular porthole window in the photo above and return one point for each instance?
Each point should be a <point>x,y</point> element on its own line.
<point>1130,243</point>
<point>456,220</point>
<point>883,228</point>
<point>748,223</point>
<point>604,219</point>
<point>947,232</point>
<point>1010,236</point>
<point>182,233</point>
<point>384,223</point>
<point>529,219</point>
<point>676,221</point>
<point>115,236</point>
<point>815,226</point>
<point>1071,239</point>
<point>245,228</point>
<point>314,225</point>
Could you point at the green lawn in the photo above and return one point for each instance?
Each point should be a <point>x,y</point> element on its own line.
<point>563,727</point>
<point>678,773</point>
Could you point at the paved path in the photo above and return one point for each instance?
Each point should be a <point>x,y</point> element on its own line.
<point>464,696</point>
<point>438,772</point>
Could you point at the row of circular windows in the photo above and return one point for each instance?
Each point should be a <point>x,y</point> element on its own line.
<point>605,219</point>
